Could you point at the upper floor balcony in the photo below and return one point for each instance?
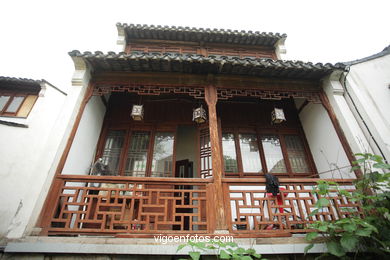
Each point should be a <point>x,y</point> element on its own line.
<point>168,174</point>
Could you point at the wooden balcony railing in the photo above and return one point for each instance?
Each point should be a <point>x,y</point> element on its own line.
<point>252,210</point>
<point>130,206</point>
<point>120,205</point>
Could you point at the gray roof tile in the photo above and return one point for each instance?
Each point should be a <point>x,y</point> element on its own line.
<point>198,64</point>
<point>173,33</point>
<point>19,83</point>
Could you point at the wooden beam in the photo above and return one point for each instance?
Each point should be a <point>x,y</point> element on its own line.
<point>304,104</point>
<point>217,196</point>
<point>284,180</point>
<point>118,178</point>
<point>199,80</point>
<point>344,142</point>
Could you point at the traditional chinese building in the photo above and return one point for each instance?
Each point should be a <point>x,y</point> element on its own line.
<point>175,134</point>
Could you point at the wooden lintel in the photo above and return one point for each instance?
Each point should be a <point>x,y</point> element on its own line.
<point>283,180</point>
<point>201,80</point>
<point>119,178</point>
<point>304,104</point>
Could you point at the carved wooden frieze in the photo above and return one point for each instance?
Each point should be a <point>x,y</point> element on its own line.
<point>267,94</point>
<point>198,92</point>
<point>155,90</point>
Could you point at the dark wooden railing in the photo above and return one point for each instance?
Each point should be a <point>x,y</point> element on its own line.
<point>253,210</point>
<point>131,206</point>
<point>120,205</point>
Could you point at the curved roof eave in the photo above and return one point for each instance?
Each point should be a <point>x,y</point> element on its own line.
<point>192,34</point>
<point>198,64</point>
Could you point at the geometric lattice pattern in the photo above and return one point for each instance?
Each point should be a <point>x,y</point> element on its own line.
<point>130,207</point>
<point>206,170</point>
<point>254,210</point>
<point>268,94</point>
<point>198,92</point>
<point>153,90</point>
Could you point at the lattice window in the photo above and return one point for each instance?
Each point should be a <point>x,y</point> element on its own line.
<point>250,153</point>
<point>162,155</point>
<point>112,150</point>
<point>205,154</point>
<point>137,154</point>
<point>229,152</point>
<point>287,158</point>
<point>296,154</point>
<point>273,154</point>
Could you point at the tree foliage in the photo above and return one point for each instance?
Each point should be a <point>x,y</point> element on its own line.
<point>222,250</point>
<point>363,233</point>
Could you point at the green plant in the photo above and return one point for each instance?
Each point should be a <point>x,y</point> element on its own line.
<point>366,231</point>
<point>222,250</point>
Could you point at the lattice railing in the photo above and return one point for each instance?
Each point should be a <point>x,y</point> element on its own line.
<point>252,209</point>
<point>97,204</point>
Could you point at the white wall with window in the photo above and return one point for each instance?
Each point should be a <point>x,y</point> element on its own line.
<point>28,120</point>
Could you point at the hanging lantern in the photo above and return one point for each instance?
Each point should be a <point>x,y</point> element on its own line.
<point>199,115</point>
<point>137,113</point>
<point>277,116</point>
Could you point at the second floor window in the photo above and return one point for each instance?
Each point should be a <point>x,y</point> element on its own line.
<point>139,153</point>
<point>254,154</point>
<point>16,104</point>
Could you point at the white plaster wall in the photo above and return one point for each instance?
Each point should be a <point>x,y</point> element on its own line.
<point>368,84</point>
<point>21,159</point>
<point>325,146</point>
<point>349,125</point>
<point>83,148</point>
<point>41,172</point>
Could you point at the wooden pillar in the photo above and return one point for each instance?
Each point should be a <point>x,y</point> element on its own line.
<point>216,155</point>
<point>51,201</point>
<point>347,149</point>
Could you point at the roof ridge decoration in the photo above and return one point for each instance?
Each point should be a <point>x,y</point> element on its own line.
<point>193,34</point>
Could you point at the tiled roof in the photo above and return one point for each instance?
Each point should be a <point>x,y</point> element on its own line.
<point>385,51</point>
<point>19,83</point>
<point>173,33</point>
<point>198,64</point>
<point>19,80</point>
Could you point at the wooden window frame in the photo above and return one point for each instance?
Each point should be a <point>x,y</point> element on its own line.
<point>4,112</point>
<point>280,133</point>
<point>127,139</point>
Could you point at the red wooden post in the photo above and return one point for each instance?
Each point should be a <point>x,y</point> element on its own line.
<point>216,155</point>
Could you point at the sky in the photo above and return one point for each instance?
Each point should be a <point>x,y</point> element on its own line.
<point>36,36</point>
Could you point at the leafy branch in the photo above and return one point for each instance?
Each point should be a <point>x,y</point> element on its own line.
<point>365,231</point>
<point>223,250</point>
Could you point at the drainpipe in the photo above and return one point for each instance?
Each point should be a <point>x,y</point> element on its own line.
<point>343,83</point>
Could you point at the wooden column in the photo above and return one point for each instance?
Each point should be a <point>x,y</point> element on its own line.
<point>347,149</point>
<point>48,208</point>
<point>216,155</point>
